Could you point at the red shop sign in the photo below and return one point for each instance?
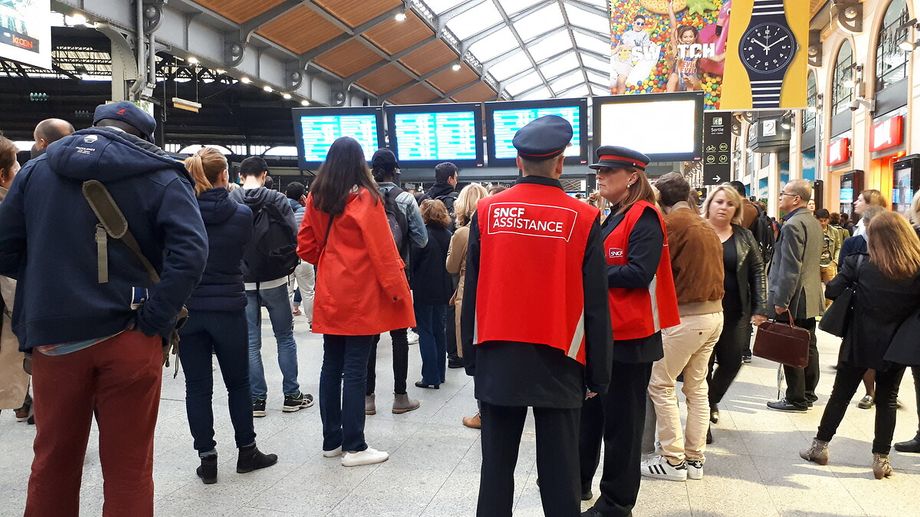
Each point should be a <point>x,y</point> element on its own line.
<point>887,134</point>
<point>838,151</point>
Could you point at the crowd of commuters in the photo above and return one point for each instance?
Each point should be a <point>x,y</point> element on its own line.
<point>651,290</point>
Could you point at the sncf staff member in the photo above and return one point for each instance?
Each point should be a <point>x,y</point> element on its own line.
<point>642,302</point>
<point>535,325</point>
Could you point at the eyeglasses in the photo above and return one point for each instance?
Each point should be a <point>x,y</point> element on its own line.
<point>781,194</point>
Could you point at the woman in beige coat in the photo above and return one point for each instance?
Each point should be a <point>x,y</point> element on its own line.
<point>464,208</point>
<point>14,382</point>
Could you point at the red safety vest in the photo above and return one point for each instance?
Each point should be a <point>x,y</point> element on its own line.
<point>532,248</point>
<point>633,313</point>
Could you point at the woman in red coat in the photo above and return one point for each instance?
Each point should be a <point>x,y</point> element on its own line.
<point>361,291</point>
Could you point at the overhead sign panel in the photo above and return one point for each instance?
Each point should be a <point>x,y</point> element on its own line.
<point>25,31</point>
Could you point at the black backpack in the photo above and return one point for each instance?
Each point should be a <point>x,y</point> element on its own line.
<point>762,228</point>
<point>272,252</point>
<point>399,223</point>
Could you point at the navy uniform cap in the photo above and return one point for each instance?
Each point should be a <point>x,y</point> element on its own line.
<point>615,157</point>
<point>543,138</point>
<point>129,113</point>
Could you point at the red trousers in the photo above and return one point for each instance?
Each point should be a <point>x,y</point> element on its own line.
<point>118,380</point>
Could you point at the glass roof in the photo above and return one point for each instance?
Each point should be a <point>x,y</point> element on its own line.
<point>571,62</point>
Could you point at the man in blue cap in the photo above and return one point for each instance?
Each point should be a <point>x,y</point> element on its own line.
<point>87,310</point>
<point>535,325</point>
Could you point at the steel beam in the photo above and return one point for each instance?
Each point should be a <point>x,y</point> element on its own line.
<point>551,79</point>
<point>459,89</point>
<point>469,42</point>
<point>392,59</point>
<point>532,41</point>
<point>250,26</point>
<point>504,15</point>
<point>455,11</point>
<point>423,77</point>
<point>592,53</point>
<point>591,34</point>
<point>590,8</point>
<point>568,23</point>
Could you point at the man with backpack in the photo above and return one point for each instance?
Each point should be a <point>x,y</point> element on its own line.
<point>408,229</point>
<point>269,258</point>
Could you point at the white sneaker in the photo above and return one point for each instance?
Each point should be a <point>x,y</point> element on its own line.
<point>658,467</point>
<point>366,457</point>
<point>412,337</point>
<point>695,469</point>
<point>334,453</point>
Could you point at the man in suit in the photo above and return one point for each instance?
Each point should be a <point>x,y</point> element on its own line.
<point>795,288</point>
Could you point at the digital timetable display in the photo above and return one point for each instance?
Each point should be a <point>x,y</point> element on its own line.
<point>425,135</point>
<point>317,128</point>
<point>504,119</point>
<point>508,122</point>
<point>436,136</point>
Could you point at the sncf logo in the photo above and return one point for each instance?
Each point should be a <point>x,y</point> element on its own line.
<point>614,253</point>
<point>122,111</point>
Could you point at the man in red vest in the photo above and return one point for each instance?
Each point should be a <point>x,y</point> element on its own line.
<point>535,324</point>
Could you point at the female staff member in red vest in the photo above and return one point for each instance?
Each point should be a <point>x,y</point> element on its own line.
<point>642,302</point>
<point>361,291</point>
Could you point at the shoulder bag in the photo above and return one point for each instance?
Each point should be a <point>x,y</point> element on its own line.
<point>836,318</point>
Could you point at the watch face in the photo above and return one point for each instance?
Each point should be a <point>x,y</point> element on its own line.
<point>767,47</point>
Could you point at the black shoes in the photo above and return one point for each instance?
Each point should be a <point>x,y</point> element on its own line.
<point>746,359</point>
<point>587,495</point>
<point>296,402</point>
<point>421,384</point>
<point>785,405</point>
<point>454,362</point>
<point>714,414</point>
<point>251,458</point>
<point>258,408</point>
<point>709,436</point>
<point>208,470</point>
<point>912,445</point>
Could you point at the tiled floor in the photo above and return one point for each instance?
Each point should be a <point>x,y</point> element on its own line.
<point>752,469</point>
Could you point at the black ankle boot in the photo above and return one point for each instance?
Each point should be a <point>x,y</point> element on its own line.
<point>912,445</point>
<point>251,458</point>
<point>208,470</point>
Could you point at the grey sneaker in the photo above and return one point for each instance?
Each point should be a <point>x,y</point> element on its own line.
<point>403,404</point>
<point>370,405</point>
<point>297,402</point>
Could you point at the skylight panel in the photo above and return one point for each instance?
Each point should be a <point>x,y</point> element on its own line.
<point>494,45</point>
<point>550,46</point>
<point>588,20</point>
<point>539,21</point>
<point>523,84</point>
<point>469,23</point>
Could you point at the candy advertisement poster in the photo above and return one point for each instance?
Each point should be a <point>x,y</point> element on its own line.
<point>660,46</point>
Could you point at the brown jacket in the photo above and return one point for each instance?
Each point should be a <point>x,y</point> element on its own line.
<point>456,265</point>
<point>748,213</point>
<point>696,260</point>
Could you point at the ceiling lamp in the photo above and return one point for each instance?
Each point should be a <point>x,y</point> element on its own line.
<point>268,89</point>
<point>400,16</point>
<point>304,102</point>
<point>456,67</point>
<point>287,96</point>
<point>192,60</point>
<point>245,80</point>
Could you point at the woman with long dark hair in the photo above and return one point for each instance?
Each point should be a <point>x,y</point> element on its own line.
<point>217,321</point>
<point>887,292</point>
<point>642,302</point>
<point>361,291</point>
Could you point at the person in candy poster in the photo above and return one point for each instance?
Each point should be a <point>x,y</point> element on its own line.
<point>682,47</point>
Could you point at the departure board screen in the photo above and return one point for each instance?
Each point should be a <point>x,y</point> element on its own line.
<point>320,131</point>
<point>442,136</point>
<point>506,123</point>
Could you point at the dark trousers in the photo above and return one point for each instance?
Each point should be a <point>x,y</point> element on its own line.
<point>432,342</point>
<point>224,333</point>
<point>341,391</point>
<point>801,382</point>
<point>728,350</point>
<point>450,322</point>
<point>915,371</point>
<point>846,383</point>
<point>618,419</point>
<point>400,362</point>
<point>119,381</point>
<point>557,459</point>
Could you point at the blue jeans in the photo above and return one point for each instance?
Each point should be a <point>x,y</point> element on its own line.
<point>341,391</point>
<point>432,341</point>
<point>279,312</point>
<point>225,334</point>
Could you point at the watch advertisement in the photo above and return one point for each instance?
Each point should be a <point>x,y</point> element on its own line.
<point>25,31</point>
<point>742,54</point>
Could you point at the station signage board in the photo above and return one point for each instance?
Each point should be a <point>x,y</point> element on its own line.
<point>838,152</point>
<point>887,134</point>
<point>25,32</point>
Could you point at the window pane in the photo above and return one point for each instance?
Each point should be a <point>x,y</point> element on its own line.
<point>587,42</point>
<point>539,22</point>
<point>528,81</point>
<point>515,6</point>
<point>513,65</point>
<point>494,45</point>
<point>891,61</point>
<point>552,45</point>
<point>566,82</point>
<point>559,65</point>
<point>480,17</point>
<point>539,93</point>
<point>843,73</point>
<point>810,115</point>
<point>587,20</point>
<point>439,6</point>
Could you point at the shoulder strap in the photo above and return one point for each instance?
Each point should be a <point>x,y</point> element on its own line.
<point>113,221</point>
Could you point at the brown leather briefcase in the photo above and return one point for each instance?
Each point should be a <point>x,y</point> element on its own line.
<point>783,343</point>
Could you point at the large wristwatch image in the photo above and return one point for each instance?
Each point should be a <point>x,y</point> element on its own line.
<point>766,50</point>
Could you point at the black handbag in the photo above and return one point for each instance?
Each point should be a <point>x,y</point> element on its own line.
<point>905,345</point>
<point>836,318</point>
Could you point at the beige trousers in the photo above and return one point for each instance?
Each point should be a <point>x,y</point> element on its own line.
<point>687,348</point>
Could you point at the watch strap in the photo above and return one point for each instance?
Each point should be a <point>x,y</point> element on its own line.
<point>766,93</point>
<point>767,7</point>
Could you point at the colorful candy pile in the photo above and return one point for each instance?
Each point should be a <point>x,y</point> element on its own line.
<point>660,34</point>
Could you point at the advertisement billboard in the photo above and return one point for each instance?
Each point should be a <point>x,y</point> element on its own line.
<point>25,31</point>
<point>742,54</point>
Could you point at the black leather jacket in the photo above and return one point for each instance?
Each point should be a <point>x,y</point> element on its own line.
<point>752,276</point>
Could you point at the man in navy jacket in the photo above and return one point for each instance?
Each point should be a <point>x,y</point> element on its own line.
<point>96,343</point>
